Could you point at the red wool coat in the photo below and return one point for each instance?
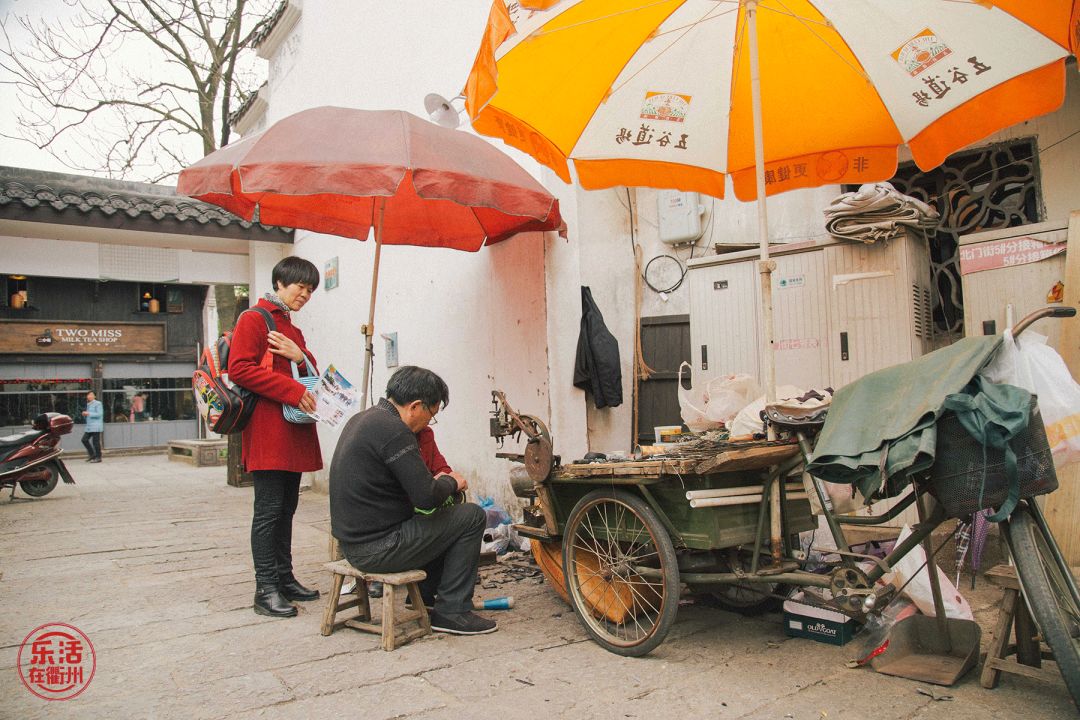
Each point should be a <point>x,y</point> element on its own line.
<point>429,451</point>
<point>269,441</point>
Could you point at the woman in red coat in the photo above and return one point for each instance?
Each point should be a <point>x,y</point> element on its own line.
<point>276,451</point>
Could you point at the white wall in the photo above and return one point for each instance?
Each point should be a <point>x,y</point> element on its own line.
<point>478,319</point>
<point>72,259</point>
<point>508,317</point>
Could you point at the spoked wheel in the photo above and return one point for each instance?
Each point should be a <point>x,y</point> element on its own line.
<point>746,598</point>
<point>621,572</point>
<point>1048,594</point>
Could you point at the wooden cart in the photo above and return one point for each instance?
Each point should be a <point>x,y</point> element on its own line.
<point>630,533</point>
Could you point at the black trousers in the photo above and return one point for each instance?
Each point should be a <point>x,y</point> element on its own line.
<point>445,543</point>
<point>92,442</point>
<point>277,493</point>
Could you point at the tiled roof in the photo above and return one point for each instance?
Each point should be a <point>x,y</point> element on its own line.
<point>271,23</point>
<point>249,101</point>
<point>40,196</point>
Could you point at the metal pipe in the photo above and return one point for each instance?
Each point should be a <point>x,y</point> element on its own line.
<point>935,581</point>
<point>369,329</point>
<point>739,500</point>
<point>728,492</point>
<point>803,579</point>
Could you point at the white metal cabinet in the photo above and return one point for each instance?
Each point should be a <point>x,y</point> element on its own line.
<point>800,320</point>
<point>879,306</point>
<point>724,299</point>
<point>876,295</point>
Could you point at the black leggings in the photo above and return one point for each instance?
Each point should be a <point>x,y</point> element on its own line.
<point>276,495</point>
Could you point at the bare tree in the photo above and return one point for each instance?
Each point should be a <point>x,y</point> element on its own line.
<point>140,88</point>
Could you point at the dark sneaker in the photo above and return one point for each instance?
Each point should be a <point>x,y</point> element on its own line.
<point>374,589</point>
<point>464,624</point>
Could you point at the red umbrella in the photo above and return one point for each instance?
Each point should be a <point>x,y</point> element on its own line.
<point>343,172</point>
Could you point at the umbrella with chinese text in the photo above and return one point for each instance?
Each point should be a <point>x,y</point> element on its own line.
<point>778,94</point>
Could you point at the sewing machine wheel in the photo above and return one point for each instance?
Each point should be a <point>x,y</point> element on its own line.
<point>539,456</point>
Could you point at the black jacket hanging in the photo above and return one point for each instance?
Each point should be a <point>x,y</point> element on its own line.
<point>597,369</point>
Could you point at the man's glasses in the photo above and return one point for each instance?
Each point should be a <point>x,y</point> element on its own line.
<point>434,420</point>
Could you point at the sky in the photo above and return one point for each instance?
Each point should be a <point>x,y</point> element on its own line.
<point>13,152</point>
<point>133,53</point>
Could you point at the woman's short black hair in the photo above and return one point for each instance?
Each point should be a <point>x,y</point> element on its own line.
<point>295,270</point>
<point>411,383</point>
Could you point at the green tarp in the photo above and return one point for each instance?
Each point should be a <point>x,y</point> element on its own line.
<point>880,428</point>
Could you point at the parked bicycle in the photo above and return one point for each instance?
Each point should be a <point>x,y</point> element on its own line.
<point>632,533</point>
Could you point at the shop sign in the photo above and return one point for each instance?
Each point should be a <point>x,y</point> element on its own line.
<point>30,337</point>
<point>1005,253</point>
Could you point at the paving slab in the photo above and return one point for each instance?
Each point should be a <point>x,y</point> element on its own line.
<point>151,560</point>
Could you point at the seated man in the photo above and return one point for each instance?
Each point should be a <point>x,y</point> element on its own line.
<point>390,514</point>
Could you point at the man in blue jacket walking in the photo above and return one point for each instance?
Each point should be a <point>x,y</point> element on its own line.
<point>95,424</point>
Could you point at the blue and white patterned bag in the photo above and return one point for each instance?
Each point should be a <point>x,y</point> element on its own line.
<point>292,413</point>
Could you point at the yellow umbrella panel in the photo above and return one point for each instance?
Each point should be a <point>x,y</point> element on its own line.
<point>657,93</point>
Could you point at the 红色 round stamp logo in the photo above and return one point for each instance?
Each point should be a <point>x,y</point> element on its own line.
<point>56,661</point>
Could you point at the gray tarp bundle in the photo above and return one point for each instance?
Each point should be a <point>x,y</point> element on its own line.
<point>882,425</point>
<point>877,212</point>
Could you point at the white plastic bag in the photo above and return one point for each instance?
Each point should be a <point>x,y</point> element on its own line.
<point>748,420</point>
<point>726,395</point>
<point>918,590</point>
<point>694,417</point>
<point>1035,366</point>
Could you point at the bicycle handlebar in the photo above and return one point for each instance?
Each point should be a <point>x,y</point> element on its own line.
<point>1054,311</point>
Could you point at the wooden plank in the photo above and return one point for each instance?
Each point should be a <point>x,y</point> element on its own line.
<point>750,458</point>
<point>1070,327</point>
<point>1062,507</point>
<point>627,469</point>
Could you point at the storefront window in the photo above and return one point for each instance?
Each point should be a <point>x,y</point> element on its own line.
<point>23,400</point>
<point>144,399</point>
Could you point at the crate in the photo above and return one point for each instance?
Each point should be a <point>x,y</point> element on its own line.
<point>817,623</point>
<point>200,453</point>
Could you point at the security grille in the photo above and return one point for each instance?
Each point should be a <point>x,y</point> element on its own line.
<point>995,186</point>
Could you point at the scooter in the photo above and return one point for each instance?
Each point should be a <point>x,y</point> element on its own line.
<point>31,459</point>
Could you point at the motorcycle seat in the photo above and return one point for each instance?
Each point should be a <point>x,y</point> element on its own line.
<point>23,438</point>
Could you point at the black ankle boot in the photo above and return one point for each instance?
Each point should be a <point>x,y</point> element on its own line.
<point>293,590</point>
<point>270,601</point>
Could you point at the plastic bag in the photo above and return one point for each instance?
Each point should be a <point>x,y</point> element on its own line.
<point>693,416</point>
<point>748,420</point>
<point>726,395</point>
<point>503,538</point>
<point>1035,366</point>
<point>495,514</point>
<point>918,590</point>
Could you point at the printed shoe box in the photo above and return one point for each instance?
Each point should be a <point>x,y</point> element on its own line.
<point>816,623</point>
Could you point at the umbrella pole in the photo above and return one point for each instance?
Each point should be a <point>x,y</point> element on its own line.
<point>765,265</point>
<point>765,269</point>
<point>369,329</point>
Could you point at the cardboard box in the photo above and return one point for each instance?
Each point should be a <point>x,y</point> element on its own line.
<point>816,623</point>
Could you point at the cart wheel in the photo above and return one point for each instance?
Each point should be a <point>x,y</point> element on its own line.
<point>745,598</point>
<point>621,572</point>
<point>748,599</point>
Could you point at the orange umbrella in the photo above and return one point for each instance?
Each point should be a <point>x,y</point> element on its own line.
<point>345,172</point>
<point>675,93</point>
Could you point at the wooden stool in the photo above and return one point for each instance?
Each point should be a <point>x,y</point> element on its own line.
<point>1028,650</point>
<point>398,626</point>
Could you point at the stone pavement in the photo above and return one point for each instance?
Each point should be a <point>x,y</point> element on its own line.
<point>150,559</point>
